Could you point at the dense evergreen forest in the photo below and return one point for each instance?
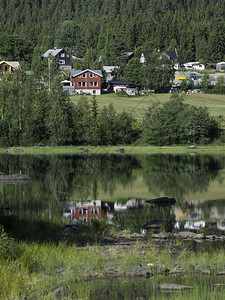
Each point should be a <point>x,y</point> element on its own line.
<point>105,28</point>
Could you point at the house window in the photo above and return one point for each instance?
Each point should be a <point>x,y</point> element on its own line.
<point>79,76</point>
<point>84,75</point>
<point>83,83</point>
<point>62,54</point>
<point>62,62</point>
<point>67,55</point>
<point>79,84</point>
<point>90,75</point>
<point>93,83</point>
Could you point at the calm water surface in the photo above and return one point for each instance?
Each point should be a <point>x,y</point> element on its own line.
<point>66,189</point>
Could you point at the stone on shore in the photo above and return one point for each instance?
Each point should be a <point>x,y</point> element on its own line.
<point>173,287</point>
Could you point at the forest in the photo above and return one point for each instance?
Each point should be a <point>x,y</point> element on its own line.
<point>104,29</point>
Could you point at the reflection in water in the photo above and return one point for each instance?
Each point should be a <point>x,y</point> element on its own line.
<point>84,211</point>
<point>61,179</point>
<point>204,287</point>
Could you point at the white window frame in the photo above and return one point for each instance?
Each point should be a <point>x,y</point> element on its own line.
<point>93,84</point>
<point>84,75</point>
<point>91,75</point>
<point>62,62</point>
<point>62,55</point>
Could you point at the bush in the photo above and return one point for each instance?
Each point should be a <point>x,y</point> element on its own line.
<point>176,123</point>
<point>8,247</point>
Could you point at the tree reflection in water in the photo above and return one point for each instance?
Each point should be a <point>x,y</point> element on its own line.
<point>60,179</point>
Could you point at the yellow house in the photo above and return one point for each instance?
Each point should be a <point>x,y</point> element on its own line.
<point>8,66</point>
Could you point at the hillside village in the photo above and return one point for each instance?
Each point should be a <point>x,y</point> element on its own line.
<point>106,80</point>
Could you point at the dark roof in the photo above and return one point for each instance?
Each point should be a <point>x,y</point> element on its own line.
<point>172,55</point>
<point>52,52</point>
<point>119,82</point>
<point>146,53</point>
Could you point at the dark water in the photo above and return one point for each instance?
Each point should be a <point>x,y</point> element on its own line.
<point>133,289</point>
<point>68,189</point>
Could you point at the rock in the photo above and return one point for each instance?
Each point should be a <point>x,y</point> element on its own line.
<point>210,237</point>
<point>206,272</point>
<point>189,235</point>
<point>177,269</point>
<point>199,236</point>
<point>221,273</point>
<point>162,235</point>
<point>14,179</point>
<point>173,287</point>
<point>137,272</point>
<point>120,150</point>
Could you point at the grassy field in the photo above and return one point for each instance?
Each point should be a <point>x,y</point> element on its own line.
<point>138,105</point>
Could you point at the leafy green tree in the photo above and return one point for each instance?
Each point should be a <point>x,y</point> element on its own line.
<point>107,125</point>
<point>205,83</point>
<point>133,72</point>
<point>59,120</point>
<point>158,72</point>
<point>220,85</point>
<point>177,123</point>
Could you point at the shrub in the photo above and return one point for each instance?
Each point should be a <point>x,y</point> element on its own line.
<point>8,247</point>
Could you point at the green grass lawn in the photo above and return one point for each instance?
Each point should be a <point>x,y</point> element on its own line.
<point>138,105</point>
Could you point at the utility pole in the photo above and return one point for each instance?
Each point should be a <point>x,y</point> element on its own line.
<point>49,74</point>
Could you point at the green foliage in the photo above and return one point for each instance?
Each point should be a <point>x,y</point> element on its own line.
<point>158,72</point>
<point>70,37</point>
<point>133,72</point>
<point>8,247</point>
<point>177,123</point>
<point>15,48</point>
<point>59,120</point>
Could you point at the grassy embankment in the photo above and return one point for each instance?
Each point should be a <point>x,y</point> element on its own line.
<point>132,149</point>
<point>29,270</point>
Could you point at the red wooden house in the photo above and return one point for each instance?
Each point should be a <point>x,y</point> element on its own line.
<point>86,81</point>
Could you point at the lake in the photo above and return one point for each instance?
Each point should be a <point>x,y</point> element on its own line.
<point>68,189</point>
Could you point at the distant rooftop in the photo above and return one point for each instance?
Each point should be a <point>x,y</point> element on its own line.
<point>75,73</point>
<point>52,52</point>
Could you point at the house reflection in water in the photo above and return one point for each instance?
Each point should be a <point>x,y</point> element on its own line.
<point>199,215</point>
<point>84,211</point>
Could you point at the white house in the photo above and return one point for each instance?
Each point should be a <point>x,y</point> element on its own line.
<point>194,65</point>
<point>220,66</point>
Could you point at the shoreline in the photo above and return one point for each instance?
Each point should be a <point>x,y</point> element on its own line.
<point>119,150</point>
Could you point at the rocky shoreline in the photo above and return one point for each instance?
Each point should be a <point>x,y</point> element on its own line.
<point>187,235</point>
